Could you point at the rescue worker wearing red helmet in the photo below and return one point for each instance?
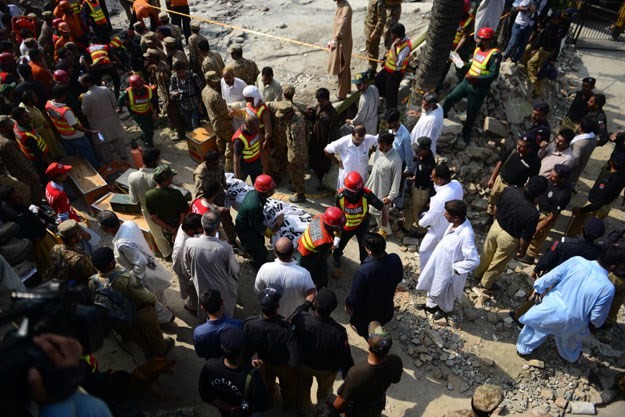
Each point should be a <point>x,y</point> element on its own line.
<point>250,222</point>
<point>354,200</point>
<point>475,86</point>
<point>142,103</point>
<point>316,243</point>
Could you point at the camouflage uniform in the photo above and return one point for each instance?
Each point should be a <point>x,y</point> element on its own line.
<point>14,163</point>
<point>245,69</point>
<point>374,26</point>
<point>222,123</point>
<point>393,13</point>
<point>194,52</point>
<point>213,62</point>
<point>486,399</point>
<point>279,161</point>
<point>297,150</point>
<point>80,266</point>
<point>202,175</point>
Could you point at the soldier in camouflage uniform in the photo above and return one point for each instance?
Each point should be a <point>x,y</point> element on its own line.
<point>393,13</point>
<point>278,156</point>
<point>486,398</point>
<point>14,163</point>
<point>374,27</point>
<point>194,52</point>
<point>209,60</point>
<point>218,114</point>
<point>245,69</point>
<point>297,152</point>
<point>68,260</point>
<point>173,53</point>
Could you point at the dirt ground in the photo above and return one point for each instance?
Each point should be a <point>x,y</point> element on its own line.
<point>419,393</point>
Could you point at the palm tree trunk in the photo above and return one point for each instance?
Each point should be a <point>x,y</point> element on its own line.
<point>441,31</point>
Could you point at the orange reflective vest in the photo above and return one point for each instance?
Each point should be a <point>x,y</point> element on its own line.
<point>390,65</point>
<point>462,27</point>
<point>140,104</point>
<point>479,62</point>
<point>314,237</point>
<point>355,213</point>
<point>258,112</point>
<point>95,12</point>
<point>57,115</point>
<point>23,135</point>
<point>251,143</point>
<point>116,43</point>
<point>75,6</point>
<point>99,54</point>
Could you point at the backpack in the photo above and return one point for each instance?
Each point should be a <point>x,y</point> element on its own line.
<point>58,269</point>
<point>118,308</point>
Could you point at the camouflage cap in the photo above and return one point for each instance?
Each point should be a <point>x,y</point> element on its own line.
<point>288,90</point>
<point>487,398</point>
<point>283,108</point>
<point>212,76</point>
<point>151,53</point>
<point>163,172</point>
<point>195,25</point>
<point>69,228</point>
<point>169,41</point>
<point>235,48</point>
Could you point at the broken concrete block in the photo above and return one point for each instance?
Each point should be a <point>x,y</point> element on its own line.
<point>449,126</point>
<point>410,241</point>
<point>495,127</point>
<point>516,109</point>
<point>582,407</point>
<point>536,363</point>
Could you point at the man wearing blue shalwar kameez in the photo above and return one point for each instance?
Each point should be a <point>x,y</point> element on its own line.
<point>575,295</point>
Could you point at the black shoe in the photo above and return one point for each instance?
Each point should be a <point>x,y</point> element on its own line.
<point>427,309</point>
<point>440,314</point>
<point>513,316</point>
<point>526,260</point>
<point>526,357</point>
<point>336,261</point>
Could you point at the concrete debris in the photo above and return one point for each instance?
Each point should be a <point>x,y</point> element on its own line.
<point>582,407</point>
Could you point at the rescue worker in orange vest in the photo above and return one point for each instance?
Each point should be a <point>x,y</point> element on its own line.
<point>74,5</point>
<point>95,15</point>
<point>247,147</point>
<point>395,64</point>
<point>354,199</point>
<point>475,86</point>
<point>102,63</point>
<point>75,23</point>
<point>250,222</point>
<point>142,12</point>
<point>255,106</point>
<point>30,142</point>
<point>142,103</point>
<point>316,243</point>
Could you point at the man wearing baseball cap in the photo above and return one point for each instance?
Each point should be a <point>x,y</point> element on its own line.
<point>68,259</point>
<point>55,194</point>
<point>364,389</point>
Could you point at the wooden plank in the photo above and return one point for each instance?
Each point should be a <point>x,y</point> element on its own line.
<point>104,203</point>
<point>83,175</point>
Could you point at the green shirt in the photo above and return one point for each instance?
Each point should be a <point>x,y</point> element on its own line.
<point>250,213</point>
<point>167,203</point>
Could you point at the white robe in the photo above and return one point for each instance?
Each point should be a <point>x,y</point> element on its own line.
<point>456,252</point>
<point>434,218</point>
<point>430,124</point>
<point>581,293</point>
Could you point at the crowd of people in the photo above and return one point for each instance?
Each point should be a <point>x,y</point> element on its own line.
<point>67,74</point>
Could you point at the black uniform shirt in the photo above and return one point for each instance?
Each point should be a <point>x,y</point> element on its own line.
<point>423,172</point>
<point>516,170</point>
<point>563,250</point>
<point>272,338</point>
<point>579,107</point>
<point>605,191</point>
<point>555,199</point>
<point>516,214</point>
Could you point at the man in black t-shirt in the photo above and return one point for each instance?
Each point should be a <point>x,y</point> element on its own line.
<point>224,381</point>
<point>363,394</point>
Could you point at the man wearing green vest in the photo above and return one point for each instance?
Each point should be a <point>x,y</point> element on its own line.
<point>476,84</point>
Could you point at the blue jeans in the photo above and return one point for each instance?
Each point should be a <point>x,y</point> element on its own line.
<point>82,147</point>
<point>191,118</point>
<point>518,39</point>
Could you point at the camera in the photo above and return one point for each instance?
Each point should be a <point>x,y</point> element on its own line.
<point>53,307</point>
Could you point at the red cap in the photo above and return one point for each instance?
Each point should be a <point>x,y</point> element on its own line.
<point>353,182</point>
<point>264,184</point>
<point>486,33</point>
<point>56,168</point>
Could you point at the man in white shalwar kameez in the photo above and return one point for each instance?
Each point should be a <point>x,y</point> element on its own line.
<point>453,258</point>
<point>134,254</point>
<point>385,179</point>
<point>211,264</point>
<point>434,219</point>
<point>430,123</point>
<point>354,151</point>
<point>575,295</point>
<point>191,227</point>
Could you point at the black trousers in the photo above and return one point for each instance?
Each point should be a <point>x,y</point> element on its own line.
<point>346,235</point>
<point>183,21</point>
<point>388,85</point>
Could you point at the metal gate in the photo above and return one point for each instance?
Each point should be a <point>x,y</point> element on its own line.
<point>599,25</point>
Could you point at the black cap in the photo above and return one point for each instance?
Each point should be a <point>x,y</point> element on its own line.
<point>590,80</point>
<point>232,340</point>
<point>270,298</point>
<point>529,137</point>
<point>326,301</point>
<point>542,107</point>
<point>594,228</point>
<point>619,137</point>
<point>618,160</point>
<point>562,170</point>
<point>536,186</point>
<point>422,143</point>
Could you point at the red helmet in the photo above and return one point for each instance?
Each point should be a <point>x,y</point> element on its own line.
<point>486,33</point>
<point>264,184</point>
<point>56,21</point>
<point>135,81</point>
<point>353,182</point>
<point>60,76</point>
<point>334,217</point>
<point>6,57</point>
<point>64,5</point>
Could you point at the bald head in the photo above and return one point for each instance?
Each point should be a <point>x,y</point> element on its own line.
<point>284,249</point>
<point>251,123</point>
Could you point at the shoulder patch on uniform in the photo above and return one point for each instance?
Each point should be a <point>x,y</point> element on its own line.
<point>555,245</point>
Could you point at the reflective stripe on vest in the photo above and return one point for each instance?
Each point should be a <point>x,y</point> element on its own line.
<point>257,112</point>
<point>389,63</point>
<point>91,361</point>
<point>464,24</point>
<point>99,54</point>
<point>96,13</point>
<point>140,104</point>
<point>479,62</point>
<point>76,4</point>
<point>251,149</point>
<point>116,43</point>
<point>57,115</point>
<point>3,77</point>
<point>313,237</point>
<point>355,213</point>
<point>23,135</point>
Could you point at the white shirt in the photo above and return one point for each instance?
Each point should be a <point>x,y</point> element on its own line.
<point>233,93</point>
<point>290,279</point>
<point>434,218</point>
<point>430,124</point>
<point>524,17</point>
<point>354,158</point>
